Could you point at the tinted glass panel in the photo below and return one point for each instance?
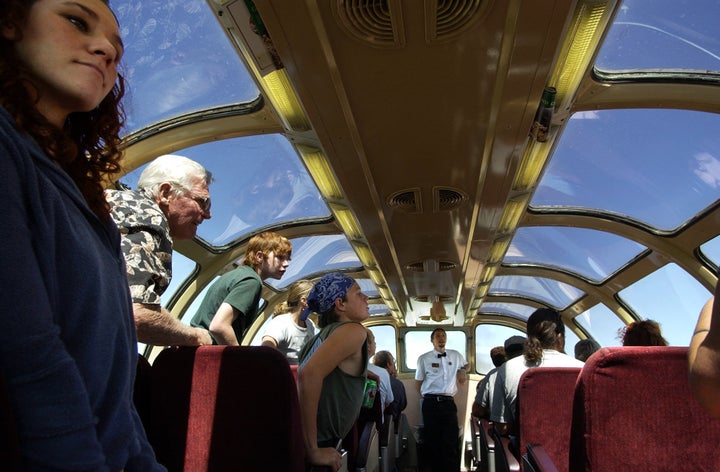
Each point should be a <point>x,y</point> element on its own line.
<point>557,294</point>
<point>602,323</point>
<point>177,60</point>
<point>711,250</point>
<point>672,298</point>
<point>268,186</point>
<point>631,163</point>
<point>663,34</point>
<point>517,310</point>
<point>312,255</point>
<point>589,253</point>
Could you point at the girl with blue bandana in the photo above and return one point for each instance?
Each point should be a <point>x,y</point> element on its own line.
<point>333,367</point>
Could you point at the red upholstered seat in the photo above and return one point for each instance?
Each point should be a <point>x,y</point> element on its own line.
<point>244,413</point>
<point>545,405</point>
<point>633,410</point>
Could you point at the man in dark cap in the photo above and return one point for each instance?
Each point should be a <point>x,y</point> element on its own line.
<point>483,397</point>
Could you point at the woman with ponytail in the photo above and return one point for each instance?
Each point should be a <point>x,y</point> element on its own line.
<point>544,347</point>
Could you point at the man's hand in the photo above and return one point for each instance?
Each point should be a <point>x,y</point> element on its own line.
<point>203,336</point>
<point>326,456</point>
<point>462,376</point>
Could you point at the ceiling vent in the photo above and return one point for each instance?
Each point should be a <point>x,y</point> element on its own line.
<point>407,201</point>
<point>434,298</point>
<point>448,19</point>
<point>423,267</point>
<point>447,199</point>
<point>376,23</point>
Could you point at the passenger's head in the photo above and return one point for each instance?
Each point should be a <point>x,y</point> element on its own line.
<point>371,346</point>
<point>585,348</point>
<point>180,188</point>
<point>642,333</point>
<point>73,111</point>
<point>268,254</point>
<point>51,43</point>
<point>497,355</point>
<point>439,339</point>
<point>545,330</point>
<point>296,296</point>
<point>514,346</point>
<point>337,297</point>
<point>385,360</point>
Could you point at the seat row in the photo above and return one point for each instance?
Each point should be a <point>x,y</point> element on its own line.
<point>216,408</point>
<point>628,408</point>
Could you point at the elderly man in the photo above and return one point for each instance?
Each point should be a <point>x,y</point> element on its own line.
<point>172,199</point>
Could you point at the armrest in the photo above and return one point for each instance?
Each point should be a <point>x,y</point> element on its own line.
<point>505,459</point>
<point>538,459</point>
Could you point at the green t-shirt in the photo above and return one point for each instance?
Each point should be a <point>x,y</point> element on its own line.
<point>240,288</point>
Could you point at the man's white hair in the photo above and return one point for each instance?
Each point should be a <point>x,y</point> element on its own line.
<point>177,170</point>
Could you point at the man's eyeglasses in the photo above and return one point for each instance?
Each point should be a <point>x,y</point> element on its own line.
<point>203,202</point>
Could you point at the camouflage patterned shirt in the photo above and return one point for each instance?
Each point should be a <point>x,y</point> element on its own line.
<point>145,241</point>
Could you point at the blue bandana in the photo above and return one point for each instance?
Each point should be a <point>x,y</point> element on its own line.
<point>325,291</point>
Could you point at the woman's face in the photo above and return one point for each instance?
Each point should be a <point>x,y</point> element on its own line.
<point>71,49</point>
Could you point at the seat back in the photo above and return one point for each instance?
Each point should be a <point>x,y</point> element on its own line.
<point>368,446</point>
<point>545,404</point>
<point>633,410</point>
<point>475,432</point>
<point>9,440</point>
<point>487,446</point>
<point>240,402</point>
<point>142,389</point>
<point>387,444</point>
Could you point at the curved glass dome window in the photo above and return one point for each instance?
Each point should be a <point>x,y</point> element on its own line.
<point>661,35</point>
<point>630,163</point>
<point>711,250</point>
<point>518,310</point>
<point>603,323</point>
<point>671,297</point>
<point>488,336</point>
<point>177,60</point>
<point>315,255</point>
<point>592,254</point>
<point>259,182</point>
<point>558,295</point>
<point>378,309</point>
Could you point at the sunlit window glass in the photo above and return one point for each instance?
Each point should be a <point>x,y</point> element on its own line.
<point>177,60</point>
<point>671,297</point>
<point>488,336</point>
<point>662,34</point>
<point>602,323</point>
<point>418,343</point>
<point>385,339</point>
<point>711,250</point>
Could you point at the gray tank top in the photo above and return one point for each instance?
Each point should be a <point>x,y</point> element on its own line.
<point>342,394</point>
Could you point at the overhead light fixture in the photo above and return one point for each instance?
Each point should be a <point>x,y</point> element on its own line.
<point>321,172</point>
<point>514,209</point>
<point>347,221</point>
<point>589,21</point>
<point>247,30</point>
